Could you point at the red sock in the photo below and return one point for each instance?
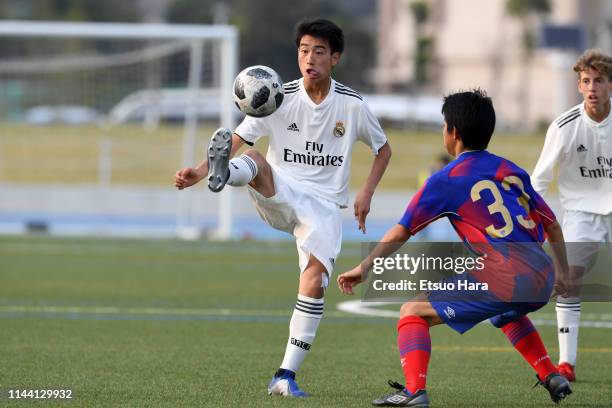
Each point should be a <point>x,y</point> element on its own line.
<point>415,347</point>
<point>526,339</point>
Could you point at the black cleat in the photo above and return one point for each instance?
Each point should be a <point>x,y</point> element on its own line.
<point>402,399</point>
<point>219,149</point>
<point>557,386</point>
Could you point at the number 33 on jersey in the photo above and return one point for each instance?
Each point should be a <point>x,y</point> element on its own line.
<point>485,197</point>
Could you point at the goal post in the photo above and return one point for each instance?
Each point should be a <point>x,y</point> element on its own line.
<point>119,61</point>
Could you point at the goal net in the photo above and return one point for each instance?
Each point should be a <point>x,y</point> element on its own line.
<point>95,119</point>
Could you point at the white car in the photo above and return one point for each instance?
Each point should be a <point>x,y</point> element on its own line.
<point>62,114</point>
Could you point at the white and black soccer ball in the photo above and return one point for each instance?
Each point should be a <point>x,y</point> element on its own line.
<point>258,91</point>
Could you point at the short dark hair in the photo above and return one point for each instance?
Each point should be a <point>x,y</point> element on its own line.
<point>473,115</point>
<point>321,28</point>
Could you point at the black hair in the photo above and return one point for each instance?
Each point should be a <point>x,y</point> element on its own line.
<point>473,115</point>
<point>321,28</point>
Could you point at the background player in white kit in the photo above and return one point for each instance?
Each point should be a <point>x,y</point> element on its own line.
<point>579,144</point>
<point>302,183</point>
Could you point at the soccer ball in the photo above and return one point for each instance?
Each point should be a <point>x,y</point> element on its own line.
<point>258,91</point>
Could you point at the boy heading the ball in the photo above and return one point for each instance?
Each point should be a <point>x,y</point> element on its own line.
<point>495,211</point>
<point>302,183</point>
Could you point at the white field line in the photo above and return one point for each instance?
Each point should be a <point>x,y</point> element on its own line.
<point>508,349</point>
<point>152,311</point>
<point>134,311</point>
<point>597,320</point>
<point>352,308</point>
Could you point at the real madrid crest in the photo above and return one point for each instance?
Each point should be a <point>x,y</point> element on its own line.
<point>339,129</point>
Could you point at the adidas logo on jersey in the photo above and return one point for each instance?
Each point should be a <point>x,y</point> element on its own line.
<point>293,127</point>
<point>581,148</point>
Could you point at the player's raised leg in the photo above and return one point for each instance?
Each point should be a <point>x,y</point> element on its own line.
<point>219,151</point>
<point>263,180</point>
<point>248,168</point>
<point>303,327</point>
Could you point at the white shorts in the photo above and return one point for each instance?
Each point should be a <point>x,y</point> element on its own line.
<point>314,221</point>
<point>585,233</point>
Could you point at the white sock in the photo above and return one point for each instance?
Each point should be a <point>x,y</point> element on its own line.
<point>568,322</point>
<point>302,330</point>
<point>243,169</point>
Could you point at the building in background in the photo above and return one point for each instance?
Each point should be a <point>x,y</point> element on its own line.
<point>436,46</point>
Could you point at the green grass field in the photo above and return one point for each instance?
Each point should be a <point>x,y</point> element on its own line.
<point>179,324</point>
<point>61,154</point>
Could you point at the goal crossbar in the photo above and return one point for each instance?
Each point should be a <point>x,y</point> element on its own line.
<point>16,28</point>
<point>194,37</point>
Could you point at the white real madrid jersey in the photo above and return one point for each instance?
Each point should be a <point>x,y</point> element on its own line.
<point>581,149</point>
<point>312,143</point>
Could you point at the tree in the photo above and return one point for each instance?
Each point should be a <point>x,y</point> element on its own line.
<point>525,11</point>
<point>266,32</point>
<point>191,11</point>
<point>423,43</point>
<point>85,10</point>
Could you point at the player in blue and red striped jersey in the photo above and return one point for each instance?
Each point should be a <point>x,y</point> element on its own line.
<point>494,209</point>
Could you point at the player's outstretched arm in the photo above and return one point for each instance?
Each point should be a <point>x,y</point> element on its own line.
<point>189,176</point>
<point>393,239</point>
<point>364,196</point>
<point>557,243</point>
